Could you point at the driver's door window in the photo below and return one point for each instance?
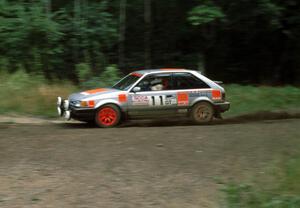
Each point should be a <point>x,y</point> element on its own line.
<point>154,96</point>
<point>156,82</point>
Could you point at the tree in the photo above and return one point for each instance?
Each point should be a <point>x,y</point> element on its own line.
<point>122,32</point>
<point>248,39</point>
<point>148,32</point>
<point>208,17</point>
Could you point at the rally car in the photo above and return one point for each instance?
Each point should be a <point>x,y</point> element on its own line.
<point>159,93</point>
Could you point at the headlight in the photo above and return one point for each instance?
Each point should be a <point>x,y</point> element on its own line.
<point>83,104</point>
<point>75,103</point>
<point>90,103</point>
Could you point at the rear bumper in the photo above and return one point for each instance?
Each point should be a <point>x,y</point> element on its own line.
<point>222,107</point>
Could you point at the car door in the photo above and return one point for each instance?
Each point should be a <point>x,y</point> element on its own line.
<point>155,96</point>
<point>188,88</point>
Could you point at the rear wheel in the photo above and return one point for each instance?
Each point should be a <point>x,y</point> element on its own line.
<point>108,116</point>
<point>202,112</point>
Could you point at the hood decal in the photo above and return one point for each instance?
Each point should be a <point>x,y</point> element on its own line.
<point>90,92</point>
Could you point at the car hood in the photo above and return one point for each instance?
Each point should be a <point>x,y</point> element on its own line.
<point>91,93</point>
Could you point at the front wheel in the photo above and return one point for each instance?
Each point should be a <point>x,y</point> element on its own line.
<point>108,116</point>
<point>202,112</point>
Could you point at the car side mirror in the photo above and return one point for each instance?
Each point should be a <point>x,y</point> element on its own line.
<point>136,89</point>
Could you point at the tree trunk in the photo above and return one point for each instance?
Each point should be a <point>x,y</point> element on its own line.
<point>122,32</point>
<point>44,53</point>
<point>148,32</point>
<point>48,7</point>
<point>76,20</point>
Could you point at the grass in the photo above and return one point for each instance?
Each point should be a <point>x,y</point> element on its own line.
<point>284,192</point>
<point>21,93</point>
<point>250,99</point>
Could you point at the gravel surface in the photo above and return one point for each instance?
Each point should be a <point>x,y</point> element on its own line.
<point>140,164</point>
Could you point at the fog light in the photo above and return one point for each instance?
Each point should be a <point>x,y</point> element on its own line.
<point>66,105</point>
<point>59,111</point>
<point>59,101</point>
<point>67,115</point>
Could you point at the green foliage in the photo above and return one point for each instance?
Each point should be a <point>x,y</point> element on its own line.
<point>239,195</point>
<point>205,14</point>
<point>250,99</point>
<point>272,11</point>
<point>249,40</point>
<point>110,75</point>
<point>249,197</point>
<point>40,95</point>
<point>28,36</point>
<point>83,71</point>
<point>49,42</point>
<point>32,94</point>
<point>284,193</point>
<point>107,78</point>
<point>290,184</point>
<point>246,41</point>
<point>25,93</point>
<point>94,30</point>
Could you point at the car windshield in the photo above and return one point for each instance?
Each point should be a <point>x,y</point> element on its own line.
<point>127,82</point>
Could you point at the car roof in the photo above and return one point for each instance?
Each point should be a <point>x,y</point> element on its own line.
<point>149,71</point>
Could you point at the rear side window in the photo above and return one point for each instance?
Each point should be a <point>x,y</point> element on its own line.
<point>184,81</point>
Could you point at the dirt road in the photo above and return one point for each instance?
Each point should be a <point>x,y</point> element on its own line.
<point>137,165</point>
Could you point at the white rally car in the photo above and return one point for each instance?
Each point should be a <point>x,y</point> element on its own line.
<point>148,94</point>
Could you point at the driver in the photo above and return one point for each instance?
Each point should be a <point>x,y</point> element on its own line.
<point>156,85</point>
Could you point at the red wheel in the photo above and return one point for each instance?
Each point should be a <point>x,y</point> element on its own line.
<point>108,116</point>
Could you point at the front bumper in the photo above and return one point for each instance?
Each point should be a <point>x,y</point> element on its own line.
<point>83,114</point>
<point>222,107</point>
<point>68,111</point>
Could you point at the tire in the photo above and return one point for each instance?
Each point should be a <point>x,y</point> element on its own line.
<point>202,112</point>
<point>218,115</point>
<point>108,116</point>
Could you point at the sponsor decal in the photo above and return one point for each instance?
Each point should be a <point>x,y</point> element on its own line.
<point>170,100</point>
<point>157,100</point>
<point>182,110</point>
<point>216,95</point>
<point>140,100</point>
<point>122,98</point>
<point>182,99</point>
<point>199,94</point>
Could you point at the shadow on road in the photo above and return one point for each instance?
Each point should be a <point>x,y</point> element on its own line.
<point>260,116</point>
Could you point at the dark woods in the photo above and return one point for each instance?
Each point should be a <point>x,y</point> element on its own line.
<point>241,41</point>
